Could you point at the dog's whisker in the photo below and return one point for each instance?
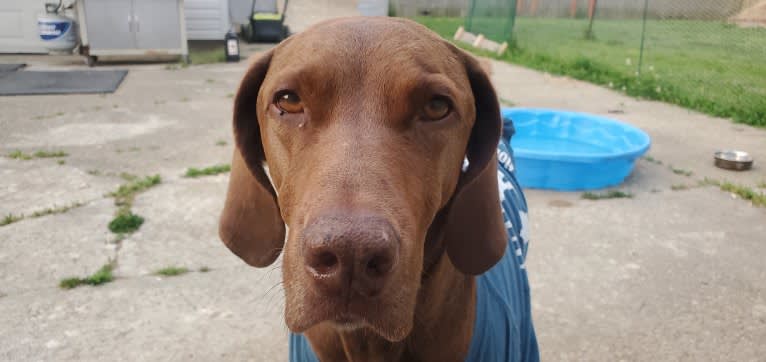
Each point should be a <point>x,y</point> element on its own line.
<point>278,284</point>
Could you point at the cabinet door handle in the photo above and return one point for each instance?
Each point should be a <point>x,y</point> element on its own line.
<point>130,24</point>
<point>138,23</point>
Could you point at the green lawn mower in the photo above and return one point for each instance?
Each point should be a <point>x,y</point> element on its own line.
<point>266,23</point>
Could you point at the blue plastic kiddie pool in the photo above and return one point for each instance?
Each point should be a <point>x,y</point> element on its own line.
<point>569,151</point>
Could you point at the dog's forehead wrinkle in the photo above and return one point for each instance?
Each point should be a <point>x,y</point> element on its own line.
<point>382,41</point>
<point>409,60</point>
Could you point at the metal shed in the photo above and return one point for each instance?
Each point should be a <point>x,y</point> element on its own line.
<point>207,19</point>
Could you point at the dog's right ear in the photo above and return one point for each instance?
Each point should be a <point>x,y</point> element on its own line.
<point>250,224</point>
<point>475,235</point>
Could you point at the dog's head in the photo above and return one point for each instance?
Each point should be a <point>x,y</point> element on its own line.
<point>364,125</point>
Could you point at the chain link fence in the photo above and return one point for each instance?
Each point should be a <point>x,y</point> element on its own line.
<point>708,55</point>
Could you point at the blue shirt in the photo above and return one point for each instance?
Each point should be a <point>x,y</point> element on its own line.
<point>503,328</point>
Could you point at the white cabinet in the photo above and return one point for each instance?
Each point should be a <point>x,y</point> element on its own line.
<point>132,27</point>
<point>157,24</point>
<point>109,24</point>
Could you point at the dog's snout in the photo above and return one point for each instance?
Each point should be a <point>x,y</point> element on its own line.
<point>350,254</point>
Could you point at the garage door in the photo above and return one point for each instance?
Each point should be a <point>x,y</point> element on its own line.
<point>18,26</point>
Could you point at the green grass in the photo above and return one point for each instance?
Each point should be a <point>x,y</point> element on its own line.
<point>174,66</point>
<point>172,271</point>
<point>11,218</point>
<point>207,56</point>
<point>128,176</point>
<point>712,67</point>
<point>220,143</point>
<point>125,221</point>
<point>611,194</point>
<point>652,160</point>
<point>506,102</point>
<point>204,269</point>
<point>679,187</point>
<point>56,209</point>
<point>102,276</point>
<point>127,191</point>
<point>680,171</point>
<point>746,193</point>
<point>50,154</point>
<point>45,116</point>
<point>18,155</point>
<point>758,199</point>
<point>762,185</point>
<point>207,171</point>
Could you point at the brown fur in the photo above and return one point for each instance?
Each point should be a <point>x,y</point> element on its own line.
<point>361,147</point>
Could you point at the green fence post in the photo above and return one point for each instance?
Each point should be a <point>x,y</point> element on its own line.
<point>511,22</point>
<point>469,19</point>
<point>591,15</point>
<point>643,36</point>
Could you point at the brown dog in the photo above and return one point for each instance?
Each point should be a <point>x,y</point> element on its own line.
<point>364,124</point>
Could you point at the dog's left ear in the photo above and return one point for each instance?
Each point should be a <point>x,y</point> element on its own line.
<point>474,235</point>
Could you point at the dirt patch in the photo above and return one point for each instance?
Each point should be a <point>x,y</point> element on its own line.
<point>754,15</point>
<point>560,203</point>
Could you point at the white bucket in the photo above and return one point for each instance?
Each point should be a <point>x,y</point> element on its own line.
<point>57,32</point>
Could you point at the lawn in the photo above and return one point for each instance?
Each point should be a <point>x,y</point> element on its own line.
<point>712,67</point>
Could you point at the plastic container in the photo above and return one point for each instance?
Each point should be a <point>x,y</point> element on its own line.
<point>232,46</point>
<point>57,32</point>
<point>568,151</point>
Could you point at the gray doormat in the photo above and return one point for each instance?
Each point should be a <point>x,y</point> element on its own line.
<point>11,67</point>
<point>60,82</point>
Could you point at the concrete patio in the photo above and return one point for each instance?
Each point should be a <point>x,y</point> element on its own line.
<point>670,274</point>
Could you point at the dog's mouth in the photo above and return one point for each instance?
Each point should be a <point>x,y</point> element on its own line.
<point>348,322</point>
<point>390,320</point>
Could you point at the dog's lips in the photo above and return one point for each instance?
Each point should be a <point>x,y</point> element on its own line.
<point>347,318</point>
<point>329,309</point>
<point>349,322</point>
<point>347,315</point>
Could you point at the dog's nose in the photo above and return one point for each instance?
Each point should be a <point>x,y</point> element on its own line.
<point>346,254</point>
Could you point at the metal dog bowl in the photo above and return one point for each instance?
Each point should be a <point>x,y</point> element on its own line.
<point>733,160</point>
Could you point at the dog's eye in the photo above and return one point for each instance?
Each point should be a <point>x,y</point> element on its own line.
<point>288,102</point>
<point>437,108</point>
